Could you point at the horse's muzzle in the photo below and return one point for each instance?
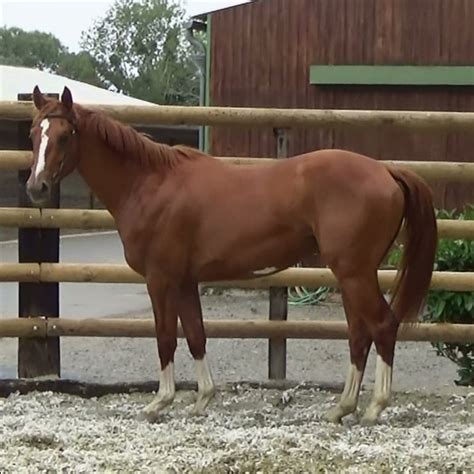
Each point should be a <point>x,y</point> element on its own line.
<point>39,191</point>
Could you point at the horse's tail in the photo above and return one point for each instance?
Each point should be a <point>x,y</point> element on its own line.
<point>419,249</point>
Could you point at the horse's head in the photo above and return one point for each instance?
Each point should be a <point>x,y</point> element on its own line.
<point>55,152</point>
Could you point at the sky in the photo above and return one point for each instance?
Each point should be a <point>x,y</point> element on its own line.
<point>66,19</point>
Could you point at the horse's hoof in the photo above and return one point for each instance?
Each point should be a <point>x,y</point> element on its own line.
<point>372,413</point>
<point>198,412</point>
<point>202,402</point>
<point>154,411</point>
<point>199,408</point>
<point>368,421</point>
<point>334,416</point>
<point>148,416</point>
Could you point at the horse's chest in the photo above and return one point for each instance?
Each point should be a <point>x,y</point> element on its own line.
<point>136,229</point>
<point>134,253</point>
<point>135,240</point>
<point>143,248</point>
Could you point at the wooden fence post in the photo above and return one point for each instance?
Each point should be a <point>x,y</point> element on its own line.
<point>37,357</point>
<point>278,296</point>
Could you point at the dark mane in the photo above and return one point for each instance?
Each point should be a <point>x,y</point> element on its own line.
<point>131,145</point>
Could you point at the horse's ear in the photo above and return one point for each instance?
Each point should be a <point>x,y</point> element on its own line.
<point>38,98</point>
<point>66,98</point>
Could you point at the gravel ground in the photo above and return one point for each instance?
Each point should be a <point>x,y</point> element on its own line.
<point>245,430</point>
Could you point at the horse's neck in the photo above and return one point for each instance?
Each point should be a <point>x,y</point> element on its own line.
<point>109,178</point>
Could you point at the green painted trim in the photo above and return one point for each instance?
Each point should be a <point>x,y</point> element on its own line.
<point>392,75</point>
<point>207,131</point>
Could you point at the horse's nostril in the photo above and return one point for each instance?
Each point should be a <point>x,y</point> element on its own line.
<point>38,191</point>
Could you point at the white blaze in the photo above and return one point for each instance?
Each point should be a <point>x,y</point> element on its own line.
<point>40,164</point>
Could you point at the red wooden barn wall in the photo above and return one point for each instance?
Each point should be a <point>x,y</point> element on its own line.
<point>261,53</point>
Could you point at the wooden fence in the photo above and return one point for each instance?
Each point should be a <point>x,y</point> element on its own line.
<point>121,273</point>
<point>38,327</point>
<point>102,220</point>
<point>261,117</point>
<point>248,329</point>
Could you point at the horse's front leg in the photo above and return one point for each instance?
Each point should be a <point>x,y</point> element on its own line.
<point>190,313</point>
<point>164,298</point>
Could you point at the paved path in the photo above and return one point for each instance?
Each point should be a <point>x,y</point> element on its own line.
<point>82,299</point>
<point>77,300</point>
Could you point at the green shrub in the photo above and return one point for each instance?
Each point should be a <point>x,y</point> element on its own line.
<point>449,306</point>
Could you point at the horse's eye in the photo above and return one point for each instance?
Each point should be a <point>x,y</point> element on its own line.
<point>62,140</point>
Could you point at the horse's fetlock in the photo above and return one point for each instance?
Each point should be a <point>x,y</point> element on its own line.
<point>348,406</point>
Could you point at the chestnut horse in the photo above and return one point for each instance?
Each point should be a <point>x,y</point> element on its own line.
<point>185,217</point>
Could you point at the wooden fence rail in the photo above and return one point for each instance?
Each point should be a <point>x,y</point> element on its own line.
<point>264,117</point>
<point>241,329</point>
<point>120,273</point>
<point>101,219</point>
<point>431,171</point>
<point>14,160</point>
<point>461,171</point>
<point>67,218</point>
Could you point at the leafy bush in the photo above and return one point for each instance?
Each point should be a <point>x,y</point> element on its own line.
<point>449,306</point>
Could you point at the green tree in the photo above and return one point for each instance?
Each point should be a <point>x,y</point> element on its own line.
<point>45,52</point>
<point>31,49</point>
<point>140,50</point>
<point>79,66</point>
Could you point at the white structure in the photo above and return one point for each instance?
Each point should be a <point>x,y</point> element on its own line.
<point>15,80</point>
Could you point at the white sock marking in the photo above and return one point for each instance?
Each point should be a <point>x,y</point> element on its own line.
<point>383,380</point>
<point>204,377</point>
<point>167,385</point>
<point>351,387</point>
<point>166,392</point>
<point>382,389</point>
<point>41,162</point>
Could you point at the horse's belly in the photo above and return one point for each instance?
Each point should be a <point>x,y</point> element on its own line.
<point>260,259</point>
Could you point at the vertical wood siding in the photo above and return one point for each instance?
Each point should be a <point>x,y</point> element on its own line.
<point>262,51</point>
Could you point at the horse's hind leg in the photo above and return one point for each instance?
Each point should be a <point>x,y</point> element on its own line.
<point>369,319</point>
<point>384,333</point>
<point>190,313</point>
<point>365,302</point>
<point>360,341</point>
